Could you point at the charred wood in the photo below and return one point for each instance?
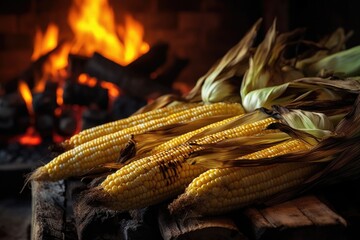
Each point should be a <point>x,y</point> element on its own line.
<point>77,64</point>
<point>170,72</point>
<point>83,95</point>
<point>150,61</point>
<point>131,83</point>
<point>14,116</point>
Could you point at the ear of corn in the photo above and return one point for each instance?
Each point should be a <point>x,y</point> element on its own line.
<point>185,137</point>
<point>114,126</point>
<point>88,156</point>
<point>220,190</point>
<point>165,174</point>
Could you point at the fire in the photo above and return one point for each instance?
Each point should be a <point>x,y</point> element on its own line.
<point>25,92</point>
<point>85,79</point>
<point>45,42</point>
<point>31,137</point>
<point>95,30</point>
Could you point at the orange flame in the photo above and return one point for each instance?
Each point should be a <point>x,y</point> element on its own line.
<point>27,96</point>
<point>45,42</point>
<point>95,30</point>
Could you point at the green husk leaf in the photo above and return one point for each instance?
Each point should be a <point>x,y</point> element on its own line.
<point>328,45</point>
<point>313,123</point>
<point>345,63</point>
<point>301,90</point>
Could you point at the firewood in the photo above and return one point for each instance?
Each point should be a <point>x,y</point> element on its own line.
<point>130,82</point>
<point>48,206</point>
<point>150,61</point>
<point>303,218</point>
<point>170,72</point>
<point>80,94</point>
<point>217,227</point>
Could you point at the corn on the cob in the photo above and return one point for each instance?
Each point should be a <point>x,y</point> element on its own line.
<point>220,190</point>
<point>114,126</point>
<point>163,175</point>
<point>88,156</point>
<point>186,136</point>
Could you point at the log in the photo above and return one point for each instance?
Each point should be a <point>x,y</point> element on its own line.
<point>176,228</point>
<point>303,218</point>
<point>169,74</point>
<point>150,61</point>
<point>48,210</point>
<point>83,95</point>
<point>94,221</point>
<point>14,116</point>
<point>130,82</point>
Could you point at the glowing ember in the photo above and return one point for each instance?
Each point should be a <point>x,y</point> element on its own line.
<point>85,79</point>
<point>31,137</point>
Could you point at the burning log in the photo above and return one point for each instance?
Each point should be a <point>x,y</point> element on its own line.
<point>77,64</point>
<point>150,61</point>
<point>45,102</point>
<point>132,83</point>
<point>14,117</point>
<point>80,94</point>
<point>172,71</point>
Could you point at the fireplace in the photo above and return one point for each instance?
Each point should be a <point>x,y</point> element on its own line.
<point>52,71</point>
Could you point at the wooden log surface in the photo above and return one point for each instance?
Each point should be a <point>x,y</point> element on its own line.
<point>177,228</point>
<point>48,210</point>
<point>307,213</point>
<point>56,204</point>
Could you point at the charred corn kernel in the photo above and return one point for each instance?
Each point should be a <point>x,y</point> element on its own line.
<point>163,175</point>
<point>88,156</point>
<point>221,190</point>
<point>114,126</point>
<point>185,137</point>
<point>150,180</point>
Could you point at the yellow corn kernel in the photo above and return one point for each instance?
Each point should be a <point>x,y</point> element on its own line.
<point>114,126</point>
<point>185,137</point>
<point>246,185</point>
<point>90,155</point>
<point>162,175</point>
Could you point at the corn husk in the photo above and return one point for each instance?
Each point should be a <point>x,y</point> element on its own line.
<point>297,92</point>
<point>310,127</point>
<point>220,83</point>
<point>344,64</point>
<point>328,45</point>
